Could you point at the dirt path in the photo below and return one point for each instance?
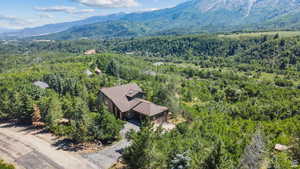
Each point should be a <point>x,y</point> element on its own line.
<point>30,151</point>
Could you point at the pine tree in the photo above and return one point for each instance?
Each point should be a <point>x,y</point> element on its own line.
<point>137,156</point>
<point>106,127</point>
<point>112,68</point>
<point>54,112</point>
<point>79,121</point>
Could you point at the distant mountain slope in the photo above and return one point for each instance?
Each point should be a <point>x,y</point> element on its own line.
<point>109,29</point>
<point>193,17</point>
<point>54,28</point>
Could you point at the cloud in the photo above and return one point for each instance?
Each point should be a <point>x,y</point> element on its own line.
<point>84,11</point>
<point>65,9</point>
<point>109,3</point>
<point>13,22</point>
<point>46,15</point>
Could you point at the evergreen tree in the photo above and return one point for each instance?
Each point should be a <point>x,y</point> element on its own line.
<point>113,68</point>
<point>80,121</point>
<point>106,127</point>
<point>136,156</point>
<point>180,161</point>
<point>54,112</point>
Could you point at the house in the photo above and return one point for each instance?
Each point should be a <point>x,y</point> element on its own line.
<point>41,84</point>
<point>158,64</point>
<point>98,71</point>
<point>126,102</point>
<point>90,52</point>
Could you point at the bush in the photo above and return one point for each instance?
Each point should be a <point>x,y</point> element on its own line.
<point>281,161</point>
<point>283,83</point>
<point>106,127</point>
<point>4,165</point>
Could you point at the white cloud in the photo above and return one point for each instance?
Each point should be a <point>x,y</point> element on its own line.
<point>109,3</point>
<point>13,22</point>
<point>46,15</point>
<point>65,9</point>
<point>84,11</point>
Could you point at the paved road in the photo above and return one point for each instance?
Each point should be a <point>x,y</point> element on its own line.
<point>27,151</point>
<point>109,156</point>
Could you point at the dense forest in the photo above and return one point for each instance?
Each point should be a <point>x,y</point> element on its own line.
<point>237,97</point>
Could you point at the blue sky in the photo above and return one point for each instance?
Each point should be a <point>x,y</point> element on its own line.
<point>19,14</point>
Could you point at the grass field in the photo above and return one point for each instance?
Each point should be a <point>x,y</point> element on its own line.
<point>255,34</point>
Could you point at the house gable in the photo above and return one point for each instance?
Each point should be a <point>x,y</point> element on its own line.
<point>128,98</point>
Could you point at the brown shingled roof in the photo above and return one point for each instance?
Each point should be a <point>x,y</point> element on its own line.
<point>148,108</point>
<point>119,94</point>
<point>132,93</point>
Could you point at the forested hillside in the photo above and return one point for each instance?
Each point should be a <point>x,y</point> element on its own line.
<point>236,98</point>
<point>265,52</point>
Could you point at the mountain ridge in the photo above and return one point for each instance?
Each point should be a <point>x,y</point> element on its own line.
<point>195,16</point>
<point>59,27</point>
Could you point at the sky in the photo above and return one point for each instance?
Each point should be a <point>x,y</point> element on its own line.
<point>18,14</point>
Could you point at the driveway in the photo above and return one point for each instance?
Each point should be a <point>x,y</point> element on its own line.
<point>30,151</point>
<point>109,156</point>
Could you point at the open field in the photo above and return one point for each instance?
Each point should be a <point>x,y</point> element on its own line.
<point>256,34</point>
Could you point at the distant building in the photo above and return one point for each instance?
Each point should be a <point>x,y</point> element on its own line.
<point>150,73</point>
<point>43,40</point>
<point>158,63</point>
<point>98,71</point>
<point>88,72</point>
<point>41,84</point>
<point>90,52</point>
<point>130,53</point>
<point>126,102</point>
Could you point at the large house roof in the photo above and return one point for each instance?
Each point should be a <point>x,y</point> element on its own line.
<point>122,95</point>
<point>118,95</point>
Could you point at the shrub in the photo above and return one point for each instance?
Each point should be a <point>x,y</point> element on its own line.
<point>4,165</point>
<point>283,83</point>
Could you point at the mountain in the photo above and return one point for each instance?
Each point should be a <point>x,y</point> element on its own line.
<point>54,28</point>
<point>195,16</point>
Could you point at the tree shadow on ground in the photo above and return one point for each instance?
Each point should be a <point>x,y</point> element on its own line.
<point>68,145</point>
